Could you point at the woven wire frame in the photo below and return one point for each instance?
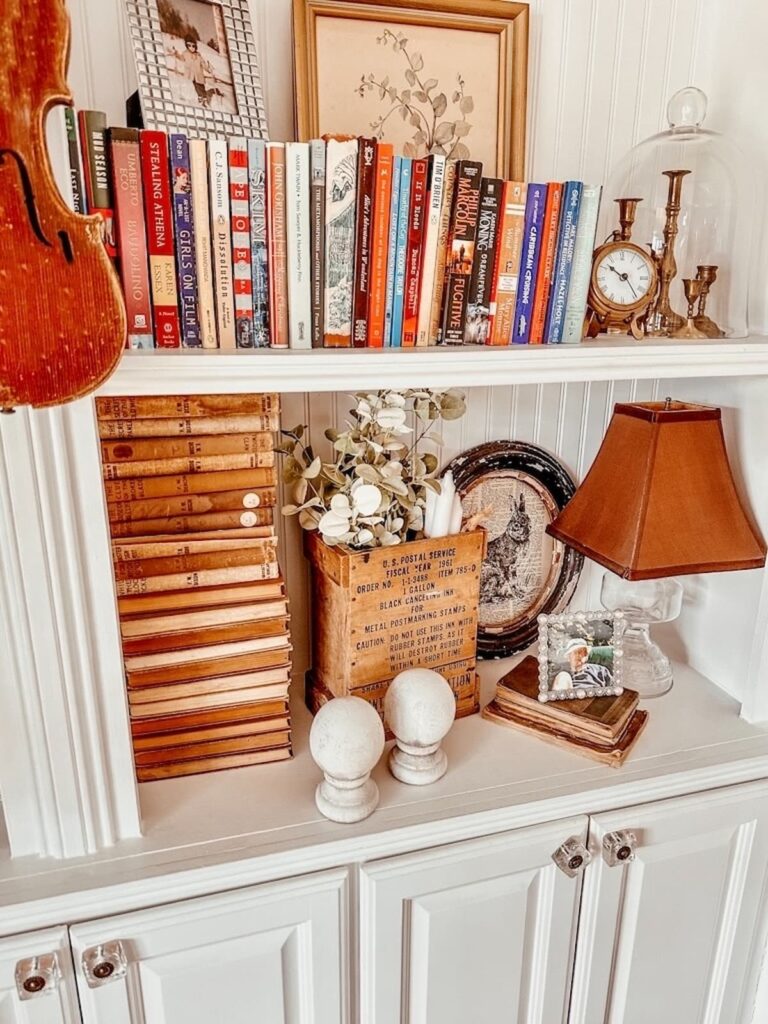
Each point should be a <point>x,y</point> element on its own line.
<point>161,111</point>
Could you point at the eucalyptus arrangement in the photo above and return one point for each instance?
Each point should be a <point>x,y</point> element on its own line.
<point>374,493</point>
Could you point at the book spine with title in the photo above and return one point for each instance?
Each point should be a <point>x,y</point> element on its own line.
<point>317,236</point>
<point>569,222</point>
<point>581,268</point>
<point>463,229</point>
<point>162,257</point>
<point>398,303</point>
<point>98,194</point>
<point>366,167</point>
<point>438,288</point>
<point>394,205</point>
<point>340,204</point>
<point>277,242</point>
<point>507,275</point>
<point>380,244</point>
<point>257,195</point>
<point>206,304</point>
<point>75,162</point>
<point>298,245</point>
<point>435,190</point>
<point>240,212</point>
<point>484,263</point>
<point>529,263</point>
<point>413,254</point>
<point>181,189</point>
<point>221,242</point>
<point>550,228</point>
<point>129,216</point>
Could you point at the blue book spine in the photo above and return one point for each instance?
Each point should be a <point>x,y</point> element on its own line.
<point>257,182</point>
<point>569,222</point>
<point>529,263</point>
<point>392,250</point>
<point>183,222</point>
<point>396,337</point>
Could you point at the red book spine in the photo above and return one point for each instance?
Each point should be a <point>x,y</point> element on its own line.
<point>159,220</point>
<point>416,217</point>
<point>550,226</point>
<point>132,239</point>
<point>380,245</point>
<point>366,166</point>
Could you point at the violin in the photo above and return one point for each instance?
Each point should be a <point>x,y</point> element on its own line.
<point>62,316</point>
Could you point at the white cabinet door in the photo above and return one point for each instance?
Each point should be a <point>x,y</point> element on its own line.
<point>673,934</point>
<point>272,954</point>
<point>479,931</point>
<point>45,976</point>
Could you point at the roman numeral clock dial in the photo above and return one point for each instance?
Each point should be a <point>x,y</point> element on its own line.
<point>623,284</point>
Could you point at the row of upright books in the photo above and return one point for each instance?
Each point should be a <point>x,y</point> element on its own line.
<point>338,242</point>
<point>190,484</point>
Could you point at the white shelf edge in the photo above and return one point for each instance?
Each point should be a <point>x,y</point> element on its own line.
<point>187,372</point>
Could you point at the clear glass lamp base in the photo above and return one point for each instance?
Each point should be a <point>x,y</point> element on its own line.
<point>647,669</point>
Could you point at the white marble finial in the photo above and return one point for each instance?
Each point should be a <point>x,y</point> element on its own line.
<point>346,741</point>
<point>419,708</point>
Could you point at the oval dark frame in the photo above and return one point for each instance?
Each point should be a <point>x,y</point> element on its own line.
<point>475,463</point>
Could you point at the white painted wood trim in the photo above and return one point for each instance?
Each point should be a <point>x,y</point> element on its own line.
<point>152,373</point>
<point>66,766</point>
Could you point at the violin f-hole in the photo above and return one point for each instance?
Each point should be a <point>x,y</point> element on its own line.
<point>29,195</point>
<point>66,246</point>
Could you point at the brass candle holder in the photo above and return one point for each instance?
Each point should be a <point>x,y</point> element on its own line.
<point>662,321</point>
<point>707,275</point>
<point>693,287</point>
<point>627,214</point>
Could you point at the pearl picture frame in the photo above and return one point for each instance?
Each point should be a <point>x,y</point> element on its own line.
<point>561,639</point>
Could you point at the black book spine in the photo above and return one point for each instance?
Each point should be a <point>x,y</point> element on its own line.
<point>481,282</point>
<point>466,201</point>
<point>366,165</point>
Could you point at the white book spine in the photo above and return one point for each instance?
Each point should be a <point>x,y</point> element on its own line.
<point>221,242</point>
<point>299,245</point>
<point>198,161</point>
<point>581,269</point>
<point>340,200</point>
<point>431,234</point>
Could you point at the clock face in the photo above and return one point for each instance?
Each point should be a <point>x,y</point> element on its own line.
<point>624,276</point>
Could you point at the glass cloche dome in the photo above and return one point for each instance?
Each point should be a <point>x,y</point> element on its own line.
<point>694,189</point>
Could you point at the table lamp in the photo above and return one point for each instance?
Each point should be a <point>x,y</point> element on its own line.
<point>659,501</point>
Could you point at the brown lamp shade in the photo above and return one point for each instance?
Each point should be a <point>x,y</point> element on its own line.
<point>660,499</point>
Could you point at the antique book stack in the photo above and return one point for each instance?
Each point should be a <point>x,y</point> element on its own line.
<point>191,484</point>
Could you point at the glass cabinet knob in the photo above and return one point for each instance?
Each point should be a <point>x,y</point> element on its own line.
<point>104,963</point>
<point>37,976</point>
<point>572,857</point>
<point>619,847</point>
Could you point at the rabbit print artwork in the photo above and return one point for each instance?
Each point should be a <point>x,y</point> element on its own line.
<point>514,490</point>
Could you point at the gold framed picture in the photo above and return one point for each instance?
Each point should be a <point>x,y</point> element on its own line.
<point>434,76</point>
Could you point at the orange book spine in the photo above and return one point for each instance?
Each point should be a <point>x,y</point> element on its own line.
<point>137,488</point>
<point>546,261</point>
<point>277,243</point>
<point>191,524</point>
<point>189,671</point>
<point>133,551</point>
<point>140,568</point>
<point>382,196</point>
<point>190,504</point>
<point>186,426</point>
<point>130,407</point>
<point>174,602</point>
<point>150,448</point>
<point>507,271</point>
<point>205,464</point>
<point>200,766</point>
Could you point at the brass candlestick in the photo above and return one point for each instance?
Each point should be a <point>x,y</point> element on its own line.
<point>627,213</point>
<point>662,321</point>
<point>693,287</point>
<point>707,275</point>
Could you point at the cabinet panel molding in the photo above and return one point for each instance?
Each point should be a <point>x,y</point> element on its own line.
<point>58,1005</point>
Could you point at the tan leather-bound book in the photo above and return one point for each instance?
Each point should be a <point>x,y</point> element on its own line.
<point>212,748</point>
<point>227,632</point>
<point>191,524</point>
<point>266,683</point>
<point>188,465</point>
<point>198,578</point>
<point>206,701</point>
<point>189,671</point>
<point>186,426</point>
<point>139,568</point>
<point>137,551</point>
<point>143,449</point>
<point>191,504</point>
<point>130,407</point>
<point>206,597</point>
<point>229,730</point>
<point>212,764</point>
<point>144,487</point>
<point>254,714</point>
<point>154,625</point>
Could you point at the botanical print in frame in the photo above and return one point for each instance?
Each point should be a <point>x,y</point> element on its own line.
<point>580,655</point>
<point>514,491</point>
<point>435,76</point>
<point>197,67</point>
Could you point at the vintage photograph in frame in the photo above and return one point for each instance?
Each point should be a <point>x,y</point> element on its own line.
<point>514,490</point>
<point>197,66</point>
<point>580,655</point>
<point>436,76</point>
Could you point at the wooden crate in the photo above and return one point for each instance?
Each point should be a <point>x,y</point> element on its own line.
<point>377,612</point>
